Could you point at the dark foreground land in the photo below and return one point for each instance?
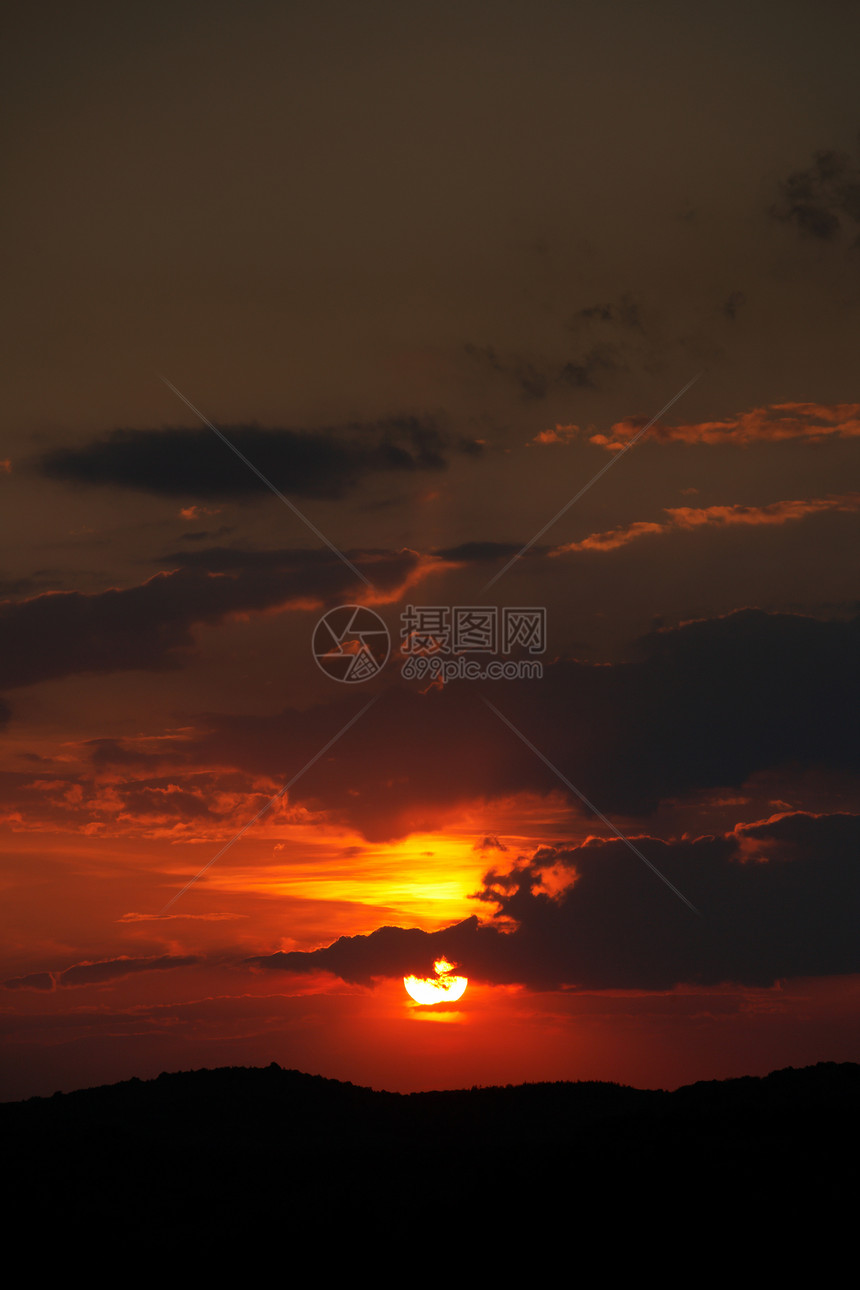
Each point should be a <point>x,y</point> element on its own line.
<point>198,1155</point>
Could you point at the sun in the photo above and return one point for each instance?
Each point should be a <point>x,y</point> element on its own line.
<point>443,988</point>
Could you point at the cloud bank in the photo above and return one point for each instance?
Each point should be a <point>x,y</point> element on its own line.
<point>779,899</point>
<point>328,463</point>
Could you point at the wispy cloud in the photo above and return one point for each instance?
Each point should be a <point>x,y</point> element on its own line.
<point>99,973</point>
<point>809,422</point>
<point>686,518</point>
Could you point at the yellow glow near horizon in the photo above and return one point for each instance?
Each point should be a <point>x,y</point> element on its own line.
<point>443,988</point>
<point>426,878</point>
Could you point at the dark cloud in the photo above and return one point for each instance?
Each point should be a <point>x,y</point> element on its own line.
<point>702,706</point>
<point>478,552</point>
<point>489,843</point>
<point>98,973</point>
<point>124,796</point>
<point>205,535</point>
<point>114,969</point>
<point>609,337</point>
<point>110,752</point>
<point>587,370</point>
<point>10,587</point>
<point>732,305</point>
<point>616,331</point>
<point>820,200</point>
<point>319,566</point>
<point>529,379</point>
<point>328,463</point>
<point>34,981</point>
<point>150,625</point>
<point>624,313</point>
<point>778,899</point>
<point>163,799</point>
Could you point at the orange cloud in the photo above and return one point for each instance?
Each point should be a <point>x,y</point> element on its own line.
<point>197,512</point>
<point>612,538</point>
<point>692,517</point>
<point>425,566</point>
<point>811,422</point>
<point>560,434</point>
<point>776,513</point>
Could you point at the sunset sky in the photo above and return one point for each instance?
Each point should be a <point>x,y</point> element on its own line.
<point>429,268</point>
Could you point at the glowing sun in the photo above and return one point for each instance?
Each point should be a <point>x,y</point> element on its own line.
<point>443,988</point>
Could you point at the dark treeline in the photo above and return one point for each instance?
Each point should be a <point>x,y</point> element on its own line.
<point>213,1151</point>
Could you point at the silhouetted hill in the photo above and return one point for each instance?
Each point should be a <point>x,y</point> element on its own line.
<point>198,1150</point>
